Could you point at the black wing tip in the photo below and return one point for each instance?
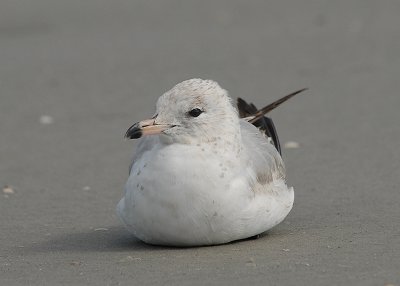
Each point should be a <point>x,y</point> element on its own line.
<point>262,122</point>
<point>245,109</point>
<point>270,130</point>
<point>241,101</point>
<point>300,90</point>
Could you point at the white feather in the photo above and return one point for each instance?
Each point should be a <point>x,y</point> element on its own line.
<point>215,180</point>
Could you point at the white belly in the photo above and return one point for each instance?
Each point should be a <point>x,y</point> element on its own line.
<point>174,199</point>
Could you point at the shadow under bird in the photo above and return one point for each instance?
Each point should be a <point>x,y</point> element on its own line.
<point>209,174</point>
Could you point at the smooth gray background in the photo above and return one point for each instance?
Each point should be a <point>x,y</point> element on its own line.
<point>98,66</point>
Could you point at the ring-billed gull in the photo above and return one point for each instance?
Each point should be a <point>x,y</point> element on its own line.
<point>206,176</point>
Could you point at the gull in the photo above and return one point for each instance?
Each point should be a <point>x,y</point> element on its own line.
<point>204,173</point>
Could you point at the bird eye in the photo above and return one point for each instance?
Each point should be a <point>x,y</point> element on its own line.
<point>195,112</point>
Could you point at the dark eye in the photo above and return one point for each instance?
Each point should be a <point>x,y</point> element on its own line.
<point>195,112</point>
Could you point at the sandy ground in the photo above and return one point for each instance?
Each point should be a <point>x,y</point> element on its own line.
<point>75,74</point>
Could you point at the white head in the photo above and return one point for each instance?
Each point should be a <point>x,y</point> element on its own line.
<point>193,111</point>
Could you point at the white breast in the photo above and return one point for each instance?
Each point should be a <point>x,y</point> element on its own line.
<point>204,194</point>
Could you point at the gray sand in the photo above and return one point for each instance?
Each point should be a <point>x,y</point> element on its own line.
<point>95,67</point>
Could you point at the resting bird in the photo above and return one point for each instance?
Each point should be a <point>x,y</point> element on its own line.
<point>202,175</point>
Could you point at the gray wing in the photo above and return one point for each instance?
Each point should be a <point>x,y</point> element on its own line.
<point>264,123</point>
<point>144,144</point>
<point>261,154</point>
